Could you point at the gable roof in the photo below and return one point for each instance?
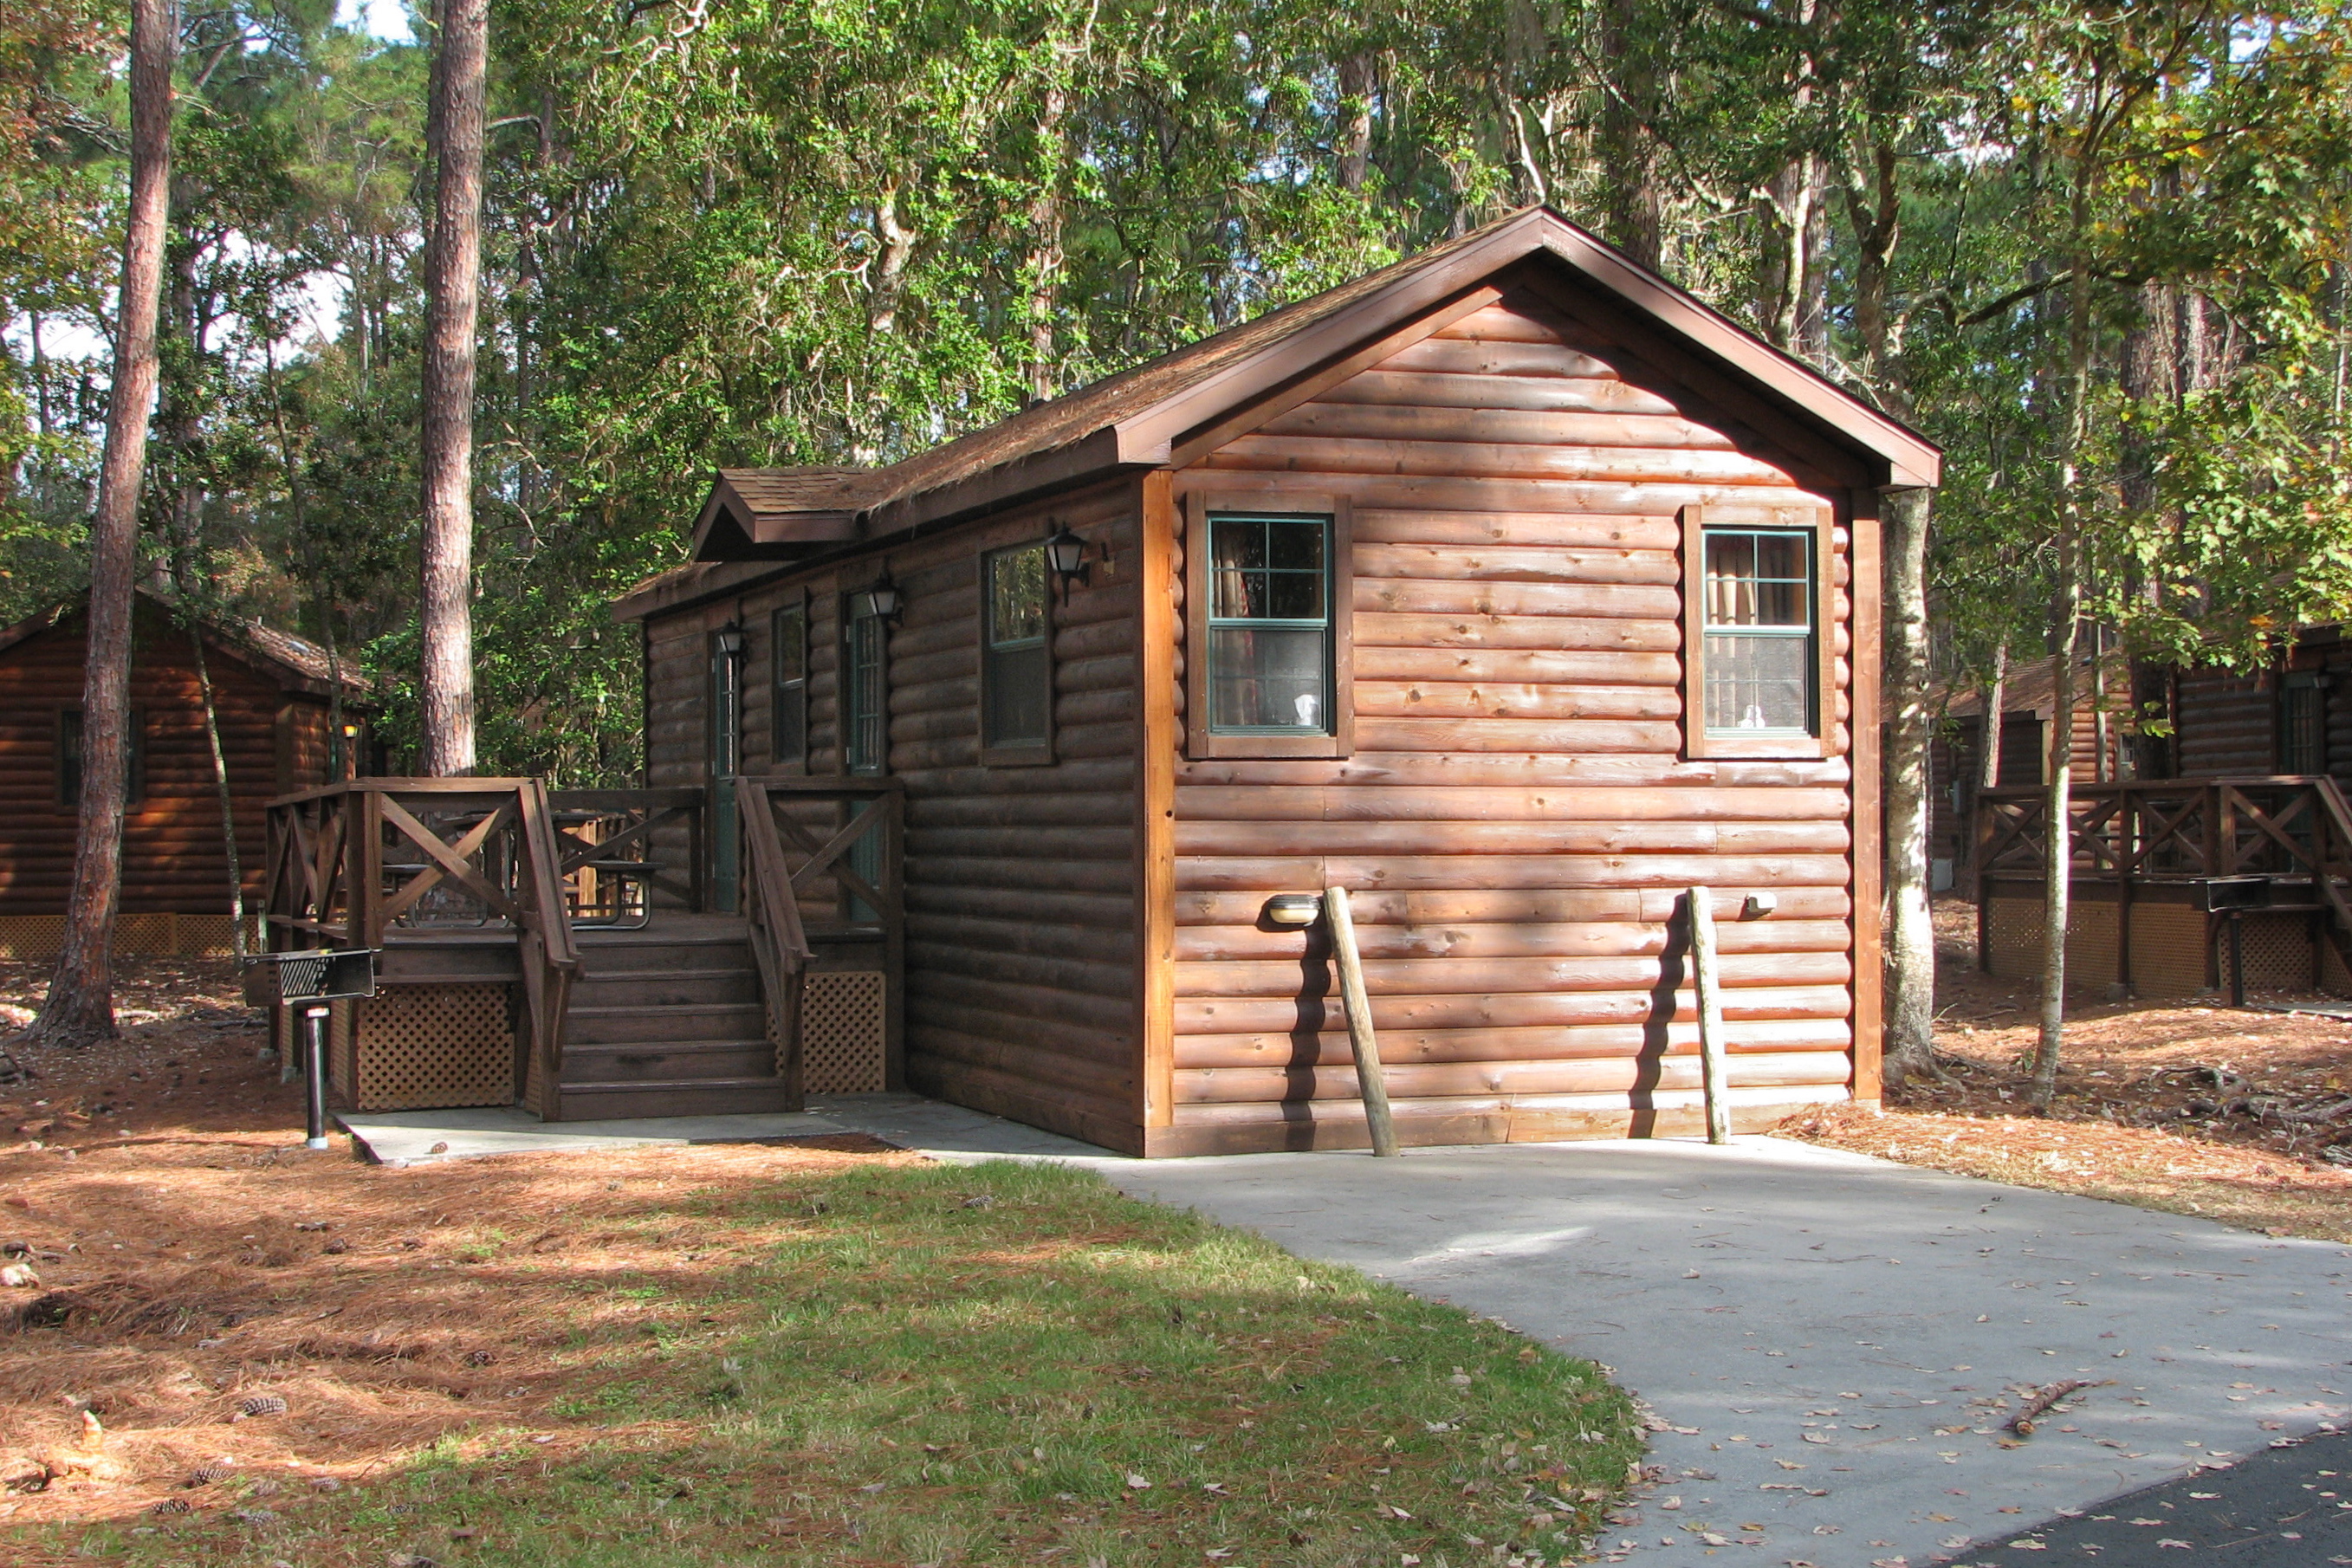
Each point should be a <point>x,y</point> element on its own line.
<point>1140,418</point>
<point>296,663</point>
<point>2032,688</point>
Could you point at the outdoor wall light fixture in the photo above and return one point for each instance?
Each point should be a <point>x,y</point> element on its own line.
<point>882,600</point>
<point>1293,909</point>
<point>1065,552</point>
<point>731,640</point>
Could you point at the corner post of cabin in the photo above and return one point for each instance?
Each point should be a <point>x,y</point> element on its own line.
<point>1155,838</point>
<point>1867,835</point>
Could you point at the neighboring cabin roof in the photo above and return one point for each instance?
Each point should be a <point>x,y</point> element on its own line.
<point>1140,417</point>
<point>297,663</point>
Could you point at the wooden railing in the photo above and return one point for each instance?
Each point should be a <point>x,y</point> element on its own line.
<point>826,857</point>
<point>612,866</point>
<point>363,862</point>
<point>2177,830</point>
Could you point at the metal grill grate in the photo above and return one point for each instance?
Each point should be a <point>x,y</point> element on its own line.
<point>842,1023</point>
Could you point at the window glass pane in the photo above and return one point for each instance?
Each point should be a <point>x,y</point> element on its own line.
<point>863,716</point>
<point>792,646</point>
<point>1016,594</point>
<point>1269,679</point>
<point>1017,695</point>
<point>2305,751</point>
<point>1295,596</point>
<point>69,758</point>
<point>1758,579</point>
<point>1294,546</point>
<point>1758,682</point>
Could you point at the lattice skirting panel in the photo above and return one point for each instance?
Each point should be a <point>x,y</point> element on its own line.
<point>35,938</point>
<point>2278,952</point>
<point>843,1020</point>
<point>2014,941</point>
<point>2168,945</point>
<point>2168,956</point>
<point>422,1047</point>
<point>2334,978</point>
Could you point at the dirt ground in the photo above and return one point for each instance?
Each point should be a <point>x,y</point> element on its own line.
<point>189,1266</point>
<point>2243,1116</point>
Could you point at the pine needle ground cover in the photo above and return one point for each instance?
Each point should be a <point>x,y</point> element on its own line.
<point>855,1360</point>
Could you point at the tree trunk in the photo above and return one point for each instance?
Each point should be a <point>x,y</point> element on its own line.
<point>79,1009</point>
<point>2065,637</point>
<point>1043,267</point>
<point>453,267</point>
<point>1636,202</point>
<point>1910,731</point>
<point>1990,698</point>
<point>1355,138</point>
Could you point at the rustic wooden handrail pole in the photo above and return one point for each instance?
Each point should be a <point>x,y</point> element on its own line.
<point>1367,1047</point>
<point>1712,1072</point>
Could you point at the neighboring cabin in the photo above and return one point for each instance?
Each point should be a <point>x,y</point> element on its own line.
<point>2103,749</point>
<point>1510,587</point>
<point>271,694</point>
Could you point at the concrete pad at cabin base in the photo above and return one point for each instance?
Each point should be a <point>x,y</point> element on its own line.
<point>1806,1320</point>
<point>408,1137</point>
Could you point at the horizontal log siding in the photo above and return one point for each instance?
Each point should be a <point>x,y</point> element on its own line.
<point>2229,723</point>
<point>1515,820</point>
<point>1020,961</point>
<point>172,858</point>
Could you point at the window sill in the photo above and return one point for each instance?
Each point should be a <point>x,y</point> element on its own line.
<point>1733,746</point>
<point>1016,756</point>
<point>1204,745</point>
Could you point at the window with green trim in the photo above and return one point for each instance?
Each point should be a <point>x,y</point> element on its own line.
<point>1017,674</point>
<point>1270,666</point>
<point>1762,647</point>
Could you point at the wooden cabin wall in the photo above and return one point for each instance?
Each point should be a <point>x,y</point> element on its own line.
<point>1517,820</point>
<point>2228,723</point>
<point>1021,959</point>
<point>173,859</point>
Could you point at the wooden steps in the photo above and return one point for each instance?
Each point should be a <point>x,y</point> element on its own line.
<point>667,1021</point>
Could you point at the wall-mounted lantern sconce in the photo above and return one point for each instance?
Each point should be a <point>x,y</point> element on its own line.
<point>1758,906</point>
<point>1065,552</point>
<point>731,640</point>
<point>1293,909</point>
<point>881,600</point>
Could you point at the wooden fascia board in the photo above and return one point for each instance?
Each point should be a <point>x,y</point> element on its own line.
<point>1100,455</point>
<point>1693,381</point>
<point>660,596</point>
<point>1152,433</point>
<point>1911,460</point>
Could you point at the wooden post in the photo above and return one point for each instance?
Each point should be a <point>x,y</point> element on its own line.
<point>1710,1017</point>
<point>1369,1082</point>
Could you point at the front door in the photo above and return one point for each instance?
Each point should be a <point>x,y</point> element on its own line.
<point>726,750</point>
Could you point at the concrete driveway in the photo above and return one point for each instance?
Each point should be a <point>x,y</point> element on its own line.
<point>1817,1328</point>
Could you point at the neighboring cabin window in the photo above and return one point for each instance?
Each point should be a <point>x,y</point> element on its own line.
<point>69,756</point>
<point>1016,672</point>
<point>2303,725</point>
<point>865,734</point>
<point>788,704</point>
<point>1756,607</point>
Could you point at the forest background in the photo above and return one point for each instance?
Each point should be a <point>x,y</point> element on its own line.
<point>2097,250</point>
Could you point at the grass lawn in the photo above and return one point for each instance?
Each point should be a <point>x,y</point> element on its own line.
<point>896,1363</point>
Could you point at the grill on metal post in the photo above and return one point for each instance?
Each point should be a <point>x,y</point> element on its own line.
<point>312,981</point>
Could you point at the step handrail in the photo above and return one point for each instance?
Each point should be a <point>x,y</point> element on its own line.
<point>780,942</point>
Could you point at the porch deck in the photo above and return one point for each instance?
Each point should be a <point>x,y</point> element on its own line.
<point>556,951</point>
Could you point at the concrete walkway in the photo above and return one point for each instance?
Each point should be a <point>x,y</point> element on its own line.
<point>1813,1327</point>
<point>423,1137</point>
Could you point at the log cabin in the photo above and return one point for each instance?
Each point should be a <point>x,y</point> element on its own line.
<point>2104,748</point>
<point>2217,852</point>
<point>1510,586</point>
<point>271,692</point>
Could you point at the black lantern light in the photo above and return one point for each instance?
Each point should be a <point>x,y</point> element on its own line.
<point>731,640</point>
<point>881,600</point>
<point>1065,552</point>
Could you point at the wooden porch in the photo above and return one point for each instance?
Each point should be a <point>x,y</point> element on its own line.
<point>572,951</point>
<point>2177,884</point>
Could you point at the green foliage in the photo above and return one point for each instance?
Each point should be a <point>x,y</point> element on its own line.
<point>796,231</point>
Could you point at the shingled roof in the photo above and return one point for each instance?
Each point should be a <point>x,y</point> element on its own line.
<point>297,662</point>
<point>1140,418</point>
